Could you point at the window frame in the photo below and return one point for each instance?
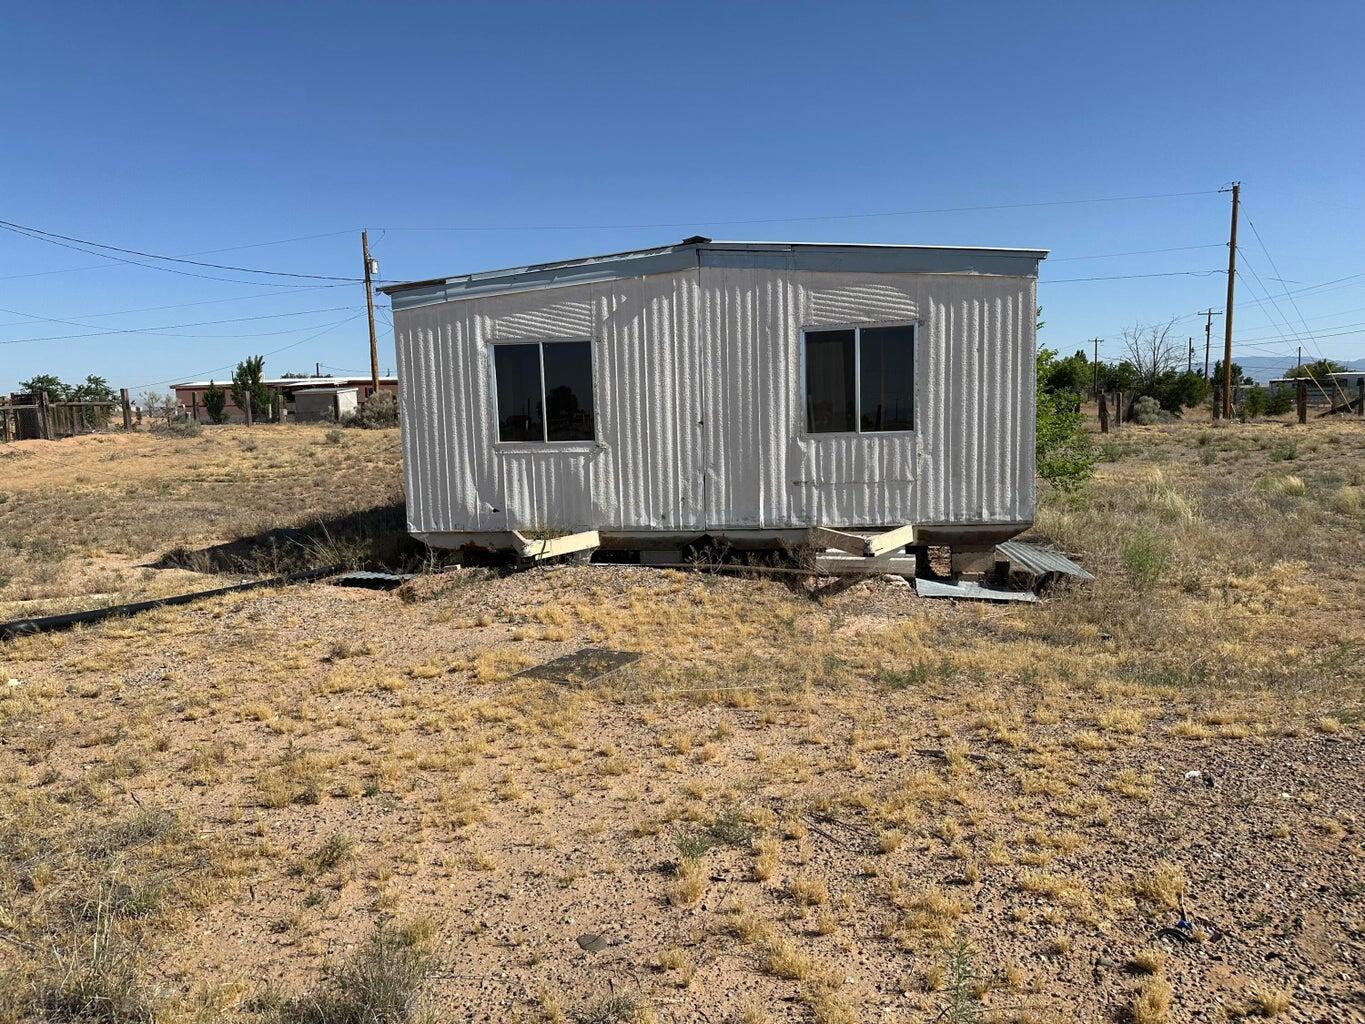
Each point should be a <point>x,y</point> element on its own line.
<point>544,443</point>
<point>857,329</point>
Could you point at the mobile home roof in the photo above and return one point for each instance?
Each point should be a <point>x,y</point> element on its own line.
<point>703,252</point>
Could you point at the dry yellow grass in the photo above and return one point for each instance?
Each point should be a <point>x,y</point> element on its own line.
<point>248,784</point>
<point>1152,1002</point>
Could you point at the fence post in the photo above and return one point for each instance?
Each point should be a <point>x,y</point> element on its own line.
<point>4,421</point>
<point>1104,414</point>
<point>194,406</point>
<point>1301,393</point>
<point>43,424</point>
<point>1360,387</point>
<point>127,410</point>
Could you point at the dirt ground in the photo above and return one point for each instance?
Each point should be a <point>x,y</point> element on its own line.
<point>868,807</point>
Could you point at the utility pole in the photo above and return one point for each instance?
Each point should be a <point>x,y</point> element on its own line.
<point>1227,317</point>
<point>369,308</point>
<point>1300,364</point>
<point>1096,342</point>
<point>1189,359</point>
<point>1208,315</point>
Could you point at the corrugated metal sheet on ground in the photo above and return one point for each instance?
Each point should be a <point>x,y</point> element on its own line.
<point>968,591</point>
<point>1039,560</point>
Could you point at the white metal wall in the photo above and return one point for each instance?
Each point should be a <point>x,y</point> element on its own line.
<point>699,406</point>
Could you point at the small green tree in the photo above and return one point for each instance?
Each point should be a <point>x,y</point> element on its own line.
<point>1064,453</point>
<point>215,400</point>
<point>1175,390</point>
<point>1075,373</point>
<point>49,384</point>
<point>1254,404</point>
<point>248,386</point>
<point>94,389</point>
<point>1318,370</point>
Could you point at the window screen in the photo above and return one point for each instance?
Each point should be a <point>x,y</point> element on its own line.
<point>860,379</point>
<point>830,393</point>
<point>544,391</point>
<point>887,378</point>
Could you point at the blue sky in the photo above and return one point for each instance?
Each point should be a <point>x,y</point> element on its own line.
<point>551,129</point>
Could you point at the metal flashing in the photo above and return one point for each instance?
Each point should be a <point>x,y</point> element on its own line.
<point>830,257</point>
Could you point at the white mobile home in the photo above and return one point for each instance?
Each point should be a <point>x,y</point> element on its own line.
<point>750,391</point>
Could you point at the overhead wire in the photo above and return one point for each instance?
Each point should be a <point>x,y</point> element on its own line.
<point>1129,277</point>
<point>164,327</point>
<point>52,236</point>
<point>201,252</point>
<point>1287,294</point>
<point>153,266</point>
<point>229,366</point>
<point>174,305</point>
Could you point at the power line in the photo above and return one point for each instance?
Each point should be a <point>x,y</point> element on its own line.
<point>33,232</point>
<point>1128,277</point>
<point>174,305</point>
<point>201,252</point>
<point>164,327</point>
<point>153,266</point>
<point>229,366</point>
<point>1294,302</point>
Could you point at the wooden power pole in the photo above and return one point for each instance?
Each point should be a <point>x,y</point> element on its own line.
<point>1096,342</point>
<point>1208,315</point>
<point>369,308</point>
<point>1227,316</point>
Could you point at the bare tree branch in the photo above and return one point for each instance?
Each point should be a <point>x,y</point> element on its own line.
<point>1151,350</point>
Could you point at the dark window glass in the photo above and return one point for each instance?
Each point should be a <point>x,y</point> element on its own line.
<point>568,390</point>
<point>886,366</point>
<point>830,396</point>
<point>520,417</point>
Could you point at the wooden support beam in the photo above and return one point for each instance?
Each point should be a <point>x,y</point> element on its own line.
<point>553,547</point>
<point>891,540</point>
<point>823,538</point>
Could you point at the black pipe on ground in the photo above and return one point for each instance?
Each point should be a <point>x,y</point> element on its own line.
<point>50,623</point>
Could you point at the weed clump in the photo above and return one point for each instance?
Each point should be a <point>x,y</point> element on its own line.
<point>1144,558</point>
<point>382,983</point>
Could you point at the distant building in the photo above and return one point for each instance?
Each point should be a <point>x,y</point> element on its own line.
<point>325,405</point>
<point>1332,389</point>
<point>190,395</point>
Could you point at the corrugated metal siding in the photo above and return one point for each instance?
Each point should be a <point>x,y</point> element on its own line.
<point>699,409</point>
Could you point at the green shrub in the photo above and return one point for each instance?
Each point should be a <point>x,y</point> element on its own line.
<point>1279,402</point>
<point>1147,410</point>
<point>380,410</point>
<point>1144,558</point>
<point>179,428</point>
<point>1254,404</point>
<point>1065,456</point>
<point>1177,390</point>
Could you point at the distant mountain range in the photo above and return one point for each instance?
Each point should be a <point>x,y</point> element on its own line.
<point>1266,368</point>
